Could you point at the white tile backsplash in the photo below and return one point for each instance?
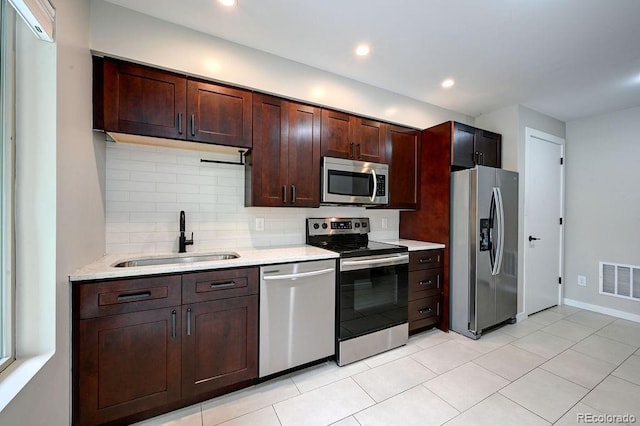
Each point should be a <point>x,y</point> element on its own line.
<point>146,187</point>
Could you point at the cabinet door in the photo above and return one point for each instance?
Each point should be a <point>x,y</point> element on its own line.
<point>127,364</point>
<point>267,163</point>
<point>140,100</point>
<point>218,114</point>
<point>403,155</point>
<point>369,138</point>
<point>284,165</point>
<point>335,139</point>
<point>489,148</point>
<point>304,155</point>
<point>463,146</point>
<point>219,344</point>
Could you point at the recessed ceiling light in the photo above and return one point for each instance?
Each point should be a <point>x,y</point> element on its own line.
<point>228,3</point>
<point>448,83</point>
<point>362,50</point>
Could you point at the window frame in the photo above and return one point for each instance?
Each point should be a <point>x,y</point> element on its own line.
<point>7,185</point>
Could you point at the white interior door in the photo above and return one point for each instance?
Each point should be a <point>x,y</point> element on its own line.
<point>543,205</point>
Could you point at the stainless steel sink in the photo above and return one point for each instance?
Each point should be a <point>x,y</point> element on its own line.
<point>151,261</point>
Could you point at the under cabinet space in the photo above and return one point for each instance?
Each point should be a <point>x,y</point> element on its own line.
<point>219,344</point>
<point>126,364</point>
<point>146,345</point>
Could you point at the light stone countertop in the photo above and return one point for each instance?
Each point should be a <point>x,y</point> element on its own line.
<point>414,245</point>
<point>103,269</point>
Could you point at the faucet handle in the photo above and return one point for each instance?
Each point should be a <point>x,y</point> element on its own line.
<point>189,242</point>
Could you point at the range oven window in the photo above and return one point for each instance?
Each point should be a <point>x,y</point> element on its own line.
<point>372,299</point>
<point>350,183</point>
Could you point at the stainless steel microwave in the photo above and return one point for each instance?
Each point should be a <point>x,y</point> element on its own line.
<point>354,182</point>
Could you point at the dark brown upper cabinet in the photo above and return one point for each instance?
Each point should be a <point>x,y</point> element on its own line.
<point>135,99</point>
<point>349,136</point>
<point>130,98</point>
<point>283,168</point>
<point>403,156</point>
<point>219,115</point>
<point>472,146</point>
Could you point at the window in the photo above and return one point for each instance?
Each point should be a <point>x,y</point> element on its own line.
<point>7,282</point>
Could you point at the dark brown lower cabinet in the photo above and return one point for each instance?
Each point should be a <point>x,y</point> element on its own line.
<point>141,349</point>
<point>128,363</point>
<point>425,289</point>
<point>220,344</point>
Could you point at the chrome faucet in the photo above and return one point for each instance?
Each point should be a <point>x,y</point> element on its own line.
<point>182,240</point>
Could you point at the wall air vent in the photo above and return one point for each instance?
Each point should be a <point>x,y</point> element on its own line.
<point>620,280</point>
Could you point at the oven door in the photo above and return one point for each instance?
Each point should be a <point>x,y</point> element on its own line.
<point>372,294</point>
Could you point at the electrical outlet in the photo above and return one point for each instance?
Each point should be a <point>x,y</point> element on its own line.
<point>582,281</point>
<point>260,224</point>
<point>384,223</point>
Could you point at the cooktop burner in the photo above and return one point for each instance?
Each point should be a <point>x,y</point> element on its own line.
<point>347,236</point>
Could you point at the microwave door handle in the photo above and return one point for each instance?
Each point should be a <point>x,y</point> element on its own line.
<point>375,185</point>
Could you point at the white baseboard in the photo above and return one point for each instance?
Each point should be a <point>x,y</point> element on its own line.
<point>602,310</point>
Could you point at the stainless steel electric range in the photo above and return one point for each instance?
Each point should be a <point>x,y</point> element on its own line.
<point>372,288</point>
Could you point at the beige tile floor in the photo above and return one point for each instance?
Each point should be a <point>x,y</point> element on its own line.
<point>551,368</point>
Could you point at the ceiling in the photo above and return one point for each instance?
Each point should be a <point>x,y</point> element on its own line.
<point>569,59</point>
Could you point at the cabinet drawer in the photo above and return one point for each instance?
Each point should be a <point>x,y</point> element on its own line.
<point>219,284</point>
<point>424,312</point>
<point>424,283</point>
<point>425,259</point>
<point>128,295</point>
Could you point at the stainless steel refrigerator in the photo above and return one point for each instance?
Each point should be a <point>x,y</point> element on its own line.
<point>484,249</point>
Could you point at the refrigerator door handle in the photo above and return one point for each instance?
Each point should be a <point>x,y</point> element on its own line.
<point>495,198</point>
<point>492,221</point>
<point>500,220</point>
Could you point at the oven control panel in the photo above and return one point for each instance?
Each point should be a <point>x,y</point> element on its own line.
<point>335,225</point>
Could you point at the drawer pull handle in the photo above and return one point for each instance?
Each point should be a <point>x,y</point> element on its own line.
<point>428,259</point>
<point>426,282</point>
<point>425,310</point>
<point>222,285</point>
<point>134,296</point>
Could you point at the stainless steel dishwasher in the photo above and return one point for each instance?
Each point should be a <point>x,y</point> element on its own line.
<point>297,314</point>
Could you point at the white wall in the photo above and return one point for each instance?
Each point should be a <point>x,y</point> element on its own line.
<point>146,188</point>
<point>68,216</point>
<point>133,197</point>
<point>511,122</point>
<point>119,32</point>
<point>602,203</point>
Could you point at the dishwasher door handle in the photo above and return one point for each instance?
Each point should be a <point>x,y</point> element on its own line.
<point>298,275</point>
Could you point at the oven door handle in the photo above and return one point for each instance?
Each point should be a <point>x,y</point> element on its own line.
<point>363,264</point>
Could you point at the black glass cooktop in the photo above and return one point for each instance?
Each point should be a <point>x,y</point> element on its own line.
<point>360,248</point>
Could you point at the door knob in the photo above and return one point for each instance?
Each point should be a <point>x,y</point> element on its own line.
<point>533,238</point>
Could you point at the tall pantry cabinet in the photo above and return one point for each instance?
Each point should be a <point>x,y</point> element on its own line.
<point>441,148</point>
